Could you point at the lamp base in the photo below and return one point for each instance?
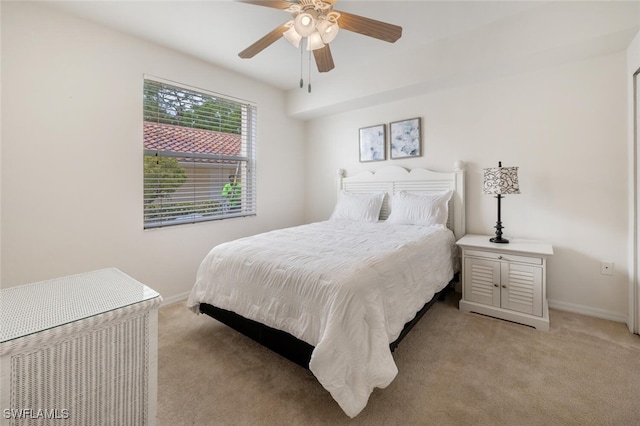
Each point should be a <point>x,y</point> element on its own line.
<point>499,240</point>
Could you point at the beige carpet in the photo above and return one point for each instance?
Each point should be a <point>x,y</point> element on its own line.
<point>455,368</point>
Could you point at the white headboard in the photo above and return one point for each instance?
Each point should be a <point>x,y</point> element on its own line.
<point>391,179</point>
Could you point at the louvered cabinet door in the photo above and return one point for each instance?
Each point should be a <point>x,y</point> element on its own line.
<point>482,281</point>
<point>521,288</point>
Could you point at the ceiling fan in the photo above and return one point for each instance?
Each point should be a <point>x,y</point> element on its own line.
<point>318,22</point>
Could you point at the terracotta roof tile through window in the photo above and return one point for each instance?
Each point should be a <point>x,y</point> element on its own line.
<point>166,137</point>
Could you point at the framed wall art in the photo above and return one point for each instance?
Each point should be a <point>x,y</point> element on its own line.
<point>372,143</point>
<point>405,138</point>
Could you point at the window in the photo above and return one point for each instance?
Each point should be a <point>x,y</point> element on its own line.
<point>199,155</point>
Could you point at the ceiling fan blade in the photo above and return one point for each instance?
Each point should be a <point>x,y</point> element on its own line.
<point>276,4</point>
<point>369,27</point>
<point>324,60</point>
<point>263,43</point>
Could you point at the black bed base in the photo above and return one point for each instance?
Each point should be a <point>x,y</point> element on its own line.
<point>287,345</point>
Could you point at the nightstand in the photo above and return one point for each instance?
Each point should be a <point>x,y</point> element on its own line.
<point>507,281</point>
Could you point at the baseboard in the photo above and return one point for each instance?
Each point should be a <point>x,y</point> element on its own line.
<point>587,310</point>
<point>166,301</point>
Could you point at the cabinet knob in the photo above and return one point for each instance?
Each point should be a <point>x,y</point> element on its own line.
<point>499,257</point>
<point>504,286</point>
<point>496,285</point>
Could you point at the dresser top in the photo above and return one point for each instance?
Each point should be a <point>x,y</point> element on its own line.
<point>515,245</point>
<point>32,308</point>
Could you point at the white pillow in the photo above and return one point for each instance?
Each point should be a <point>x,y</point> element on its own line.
<point>359,207</point>
<point>429,209</point>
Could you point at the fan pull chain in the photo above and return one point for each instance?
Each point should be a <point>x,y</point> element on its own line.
<point>301,60</point>
<point>309,72</point>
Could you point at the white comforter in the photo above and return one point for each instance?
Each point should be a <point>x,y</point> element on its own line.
<point>345,287</point>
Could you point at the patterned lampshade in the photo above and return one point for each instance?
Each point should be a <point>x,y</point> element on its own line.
<point>501,181</point>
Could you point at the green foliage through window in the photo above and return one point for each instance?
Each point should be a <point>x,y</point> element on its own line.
<point>180,107</point>
<point>162,176</point>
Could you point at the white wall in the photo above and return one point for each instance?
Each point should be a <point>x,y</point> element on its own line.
<point>79,207</point>
<point>0,151</point>
<point>72,154</point>
<point>565,127</point>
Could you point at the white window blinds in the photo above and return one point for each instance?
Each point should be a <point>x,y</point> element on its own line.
<point>199,155</point>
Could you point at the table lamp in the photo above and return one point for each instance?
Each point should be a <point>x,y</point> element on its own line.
<point>500,181</point>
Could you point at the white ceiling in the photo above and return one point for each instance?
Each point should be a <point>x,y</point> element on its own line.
<point>216,30</point>
<point>443,42</point>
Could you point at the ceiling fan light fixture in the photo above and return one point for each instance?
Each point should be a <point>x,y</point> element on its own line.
<point>316,21</point>
<point>328,30</point>
<point>314,41</point>
<point>305,23</point>
<point>292,37</point>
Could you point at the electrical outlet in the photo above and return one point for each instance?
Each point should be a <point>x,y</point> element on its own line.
<point>606,268</point>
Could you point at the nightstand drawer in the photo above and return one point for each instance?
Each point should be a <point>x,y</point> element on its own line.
<point>503,256</point>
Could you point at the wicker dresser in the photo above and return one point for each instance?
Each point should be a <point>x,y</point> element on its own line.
<point>79,350</point>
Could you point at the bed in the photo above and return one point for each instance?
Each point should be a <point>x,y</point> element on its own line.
<point>337,296</point>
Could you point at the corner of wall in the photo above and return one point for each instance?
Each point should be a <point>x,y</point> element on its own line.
<point>633,66</point>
